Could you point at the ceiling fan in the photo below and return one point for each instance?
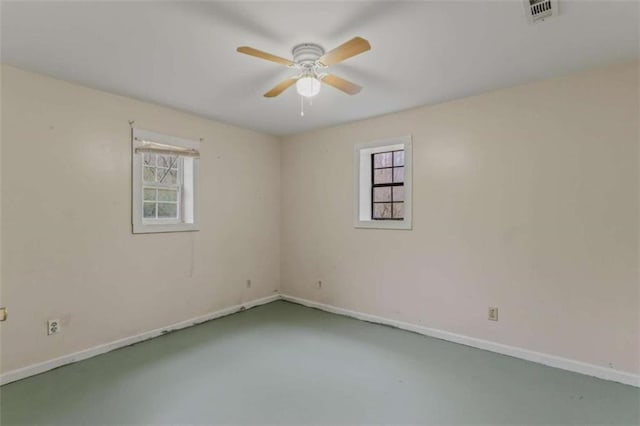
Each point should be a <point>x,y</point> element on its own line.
<point>311,63</point>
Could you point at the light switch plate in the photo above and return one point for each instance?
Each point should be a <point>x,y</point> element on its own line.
<point>3,314</point>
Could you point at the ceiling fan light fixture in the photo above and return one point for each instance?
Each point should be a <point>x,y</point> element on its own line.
<point>308,86</point>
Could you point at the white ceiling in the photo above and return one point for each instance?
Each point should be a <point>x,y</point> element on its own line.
<point>182,54</point>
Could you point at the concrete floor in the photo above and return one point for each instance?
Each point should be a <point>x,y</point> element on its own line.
<point>286,364</point>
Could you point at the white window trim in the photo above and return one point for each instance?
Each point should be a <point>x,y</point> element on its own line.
<point>141,226</point>
<point>362,183</point>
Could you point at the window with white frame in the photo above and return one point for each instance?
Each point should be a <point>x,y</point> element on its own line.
<point>165,183</point>
<point>383,184</point>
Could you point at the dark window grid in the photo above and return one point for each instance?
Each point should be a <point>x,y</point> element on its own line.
<point>373,166</point>
<point>386,202</point>
<point>392,166</point>
<point>384,185</point>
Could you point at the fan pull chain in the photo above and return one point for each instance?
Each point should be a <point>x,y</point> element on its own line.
<point>301,106</point>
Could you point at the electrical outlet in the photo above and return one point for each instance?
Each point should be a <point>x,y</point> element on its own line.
<point>248,283</point>
<point>493,313</point>
<point>53,326</point>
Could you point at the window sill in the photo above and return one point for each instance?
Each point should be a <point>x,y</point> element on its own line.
<point>383,224</point>
<point>158,228</point>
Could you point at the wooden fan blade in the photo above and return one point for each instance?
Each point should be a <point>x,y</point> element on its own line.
<point>264,55</point>
<point>280,88</point>
<point>341,84</point>
<point>353,47</point>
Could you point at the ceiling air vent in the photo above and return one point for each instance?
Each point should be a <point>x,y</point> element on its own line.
<point>539,10</point>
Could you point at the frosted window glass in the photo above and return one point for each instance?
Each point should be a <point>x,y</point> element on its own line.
<point>398,158</point>
<point>382,176</point>
<point>382,193</point>
<point>398,193</point>
<point>382,160</point>
<point>382,210</point>
<point>398,210</point>
<point>398,174</point>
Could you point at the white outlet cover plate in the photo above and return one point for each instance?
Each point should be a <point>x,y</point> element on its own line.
<point>53,327</point>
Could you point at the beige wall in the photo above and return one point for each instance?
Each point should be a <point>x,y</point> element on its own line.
<point>68,251</point>
<point>524,198</point>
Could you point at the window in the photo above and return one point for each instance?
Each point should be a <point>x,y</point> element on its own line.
<point>162,182</point>
<point>387,185</point>
<point>383,184</point>
<point>165,175</point>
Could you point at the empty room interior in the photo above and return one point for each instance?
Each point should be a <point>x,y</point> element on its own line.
<point>320,212</point>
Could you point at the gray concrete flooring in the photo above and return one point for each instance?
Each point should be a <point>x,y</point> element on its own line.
<point>286,364</point>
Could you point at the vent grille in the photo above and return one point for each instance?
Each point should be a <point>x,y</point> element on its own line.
<point>539,10</point>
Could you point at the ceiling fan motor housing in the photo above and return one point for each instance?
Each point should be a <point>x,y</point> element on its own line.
<point>306,54</point>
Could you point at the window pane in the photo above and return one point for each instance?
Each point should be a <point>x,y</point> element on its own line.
<point>164,161</point>
<point>382,193</point>
<point>172,177</point>
<point>149,210</point>
<point>167,210</point>
<point>168,176</point>
<point>382,176</point>
<point>149,194</point>
<point>398,193</point>
<point>162,174</point>
<point>149,174</point>
<point>149,159</point>
<point>382,211</point>
<point>398,210</point>
<point>167,161</point>
<point>382,160</point>
<point>167,195</point>
<point>398,158</point>
<point>398,174</point>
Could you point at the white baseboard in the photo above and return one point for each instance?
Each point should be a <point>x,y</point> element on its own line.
<point>541,358</point>
<point>31,370</point>
<point>538,357</point>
